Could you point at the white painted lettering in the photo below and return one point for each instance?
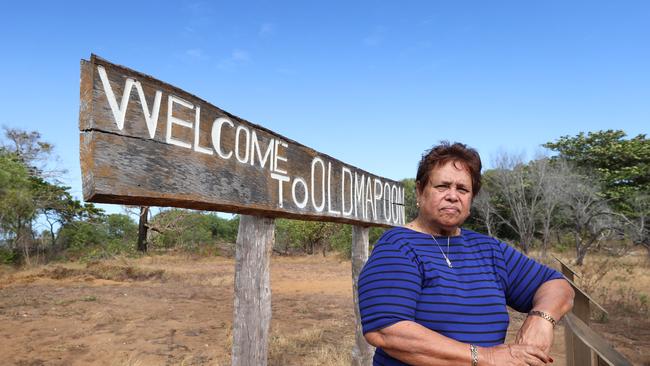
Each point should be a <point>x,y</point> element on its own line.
<point>238,131</point>
<point>303,203</point>
<point>255,147</point>
<point>281,179</point>
<point>119,113</point>
<point>370,202</point>
<point>387,198</point>
<point>358,195</point>
<point>216,136</point>
<point>197,129</point>
<point>329,190</point>
<point>403,214</point>
<point>378,193</point>
<point>394,208</point>
<point>315,161</point>
<point>346,171</point>
<point>171,120</point>
<point>277,155</point>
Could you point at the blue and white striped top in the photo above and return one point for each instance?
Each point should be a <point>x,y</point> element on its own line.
<point>407,278</point>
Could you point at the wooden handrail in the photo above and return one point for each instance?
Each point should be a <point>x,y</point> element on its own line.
<point>594,341</point>
<point>580,292</point>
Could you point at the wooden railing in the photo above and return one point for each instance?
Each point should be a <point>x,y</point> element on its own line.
<point>585,347</point>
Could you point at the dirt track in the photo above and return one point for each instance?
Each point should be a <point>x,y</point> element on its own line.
<point>177,311</point>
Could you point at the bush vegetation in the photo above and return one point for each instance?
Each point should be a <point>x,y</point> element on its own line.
<point>593,194</point>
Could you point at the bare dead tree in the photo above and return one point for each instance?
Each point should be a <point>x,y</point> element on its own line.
<point>590,215</point>
<point>637,225</point>
<point>486,211</point>
<point>521,194</point>
<point>550,175</point>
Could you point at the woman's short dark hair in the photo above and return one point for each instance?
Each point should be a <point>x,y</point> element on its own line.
<point>445,152</point>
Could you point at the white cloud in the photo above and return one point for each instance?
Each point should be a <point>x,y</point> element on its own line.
<point>266,29</point>
<point>237,57</point>
<point>375,38</point>
<point>195,53</point>
<point>372,41</point>
<point>240,56</point>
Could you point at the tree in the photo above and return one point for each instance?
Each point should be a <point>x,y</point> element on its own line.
<point>29,192</point>
<point>622,166</point>
<point>185,229</point>
<point>551,175</point>
<point>519,188</point>
<point>31,150</point>
<point>143,228</point>
<point>483,205</point>
<point>591,219</point>
<point>410,209</point>
<point>306,235</point>
<point>638,228</point>
<point>17,208</point>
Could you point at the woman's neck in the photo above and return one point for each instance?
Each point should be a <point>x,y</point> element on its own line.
<point>431,229</point>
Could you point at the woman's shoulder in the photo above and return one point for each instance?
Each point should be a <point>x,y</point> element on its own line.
<point>476,238</point>
<point>397,234</point>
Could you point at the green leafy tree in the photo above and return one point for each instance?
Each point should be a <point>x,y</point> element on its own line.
<point>221,228</point>
<point>121,227</point>
<point>17,209</point>
<point>30,192</point>
<point>410,209</point>
<point>183,229</point>
<point>622,165</point>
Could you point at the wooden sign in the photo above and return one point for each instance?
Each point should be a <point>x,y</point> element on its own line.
<point>145,142</point>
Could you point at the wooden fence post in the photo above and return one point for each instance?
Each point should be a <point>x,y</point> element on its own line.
<point>252,308</point>
<point>362,352</point>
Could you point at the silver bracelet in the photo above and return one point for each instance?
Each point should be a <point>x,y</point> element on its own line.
<point>474,351</point>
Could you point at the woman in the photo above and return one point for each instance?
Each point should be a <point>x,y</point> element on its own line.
<point>433,293</point>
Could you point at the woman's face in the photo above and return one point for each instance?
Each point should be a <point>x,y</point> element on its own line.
<point>445,201</point>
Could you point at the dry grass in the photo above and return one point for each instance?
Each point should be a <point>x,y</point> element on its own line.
<point>311,345</point>
<point>619,284</point>
<point>127,320</point>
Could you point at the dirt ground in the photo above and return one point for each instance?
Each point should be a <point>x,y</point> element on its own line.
<point>177,310</point>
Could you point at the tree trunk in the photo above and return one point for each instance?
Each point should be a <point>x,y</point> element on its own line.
<point>143,228</point>
<point>361,352</point>
<point>581,250</point>
<point>252,308</point>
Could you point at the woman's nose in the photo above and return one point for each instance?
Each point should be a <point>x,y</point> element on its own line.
<point>452,195</point>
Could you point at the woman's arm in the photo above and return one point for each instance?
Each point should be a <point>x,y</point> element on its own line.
<point>415,344</point>
<point>554,298</point>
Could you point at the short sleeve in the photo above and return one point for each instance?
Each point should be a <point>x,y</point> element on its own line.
<point>390,284</point>
<point>522,277</point>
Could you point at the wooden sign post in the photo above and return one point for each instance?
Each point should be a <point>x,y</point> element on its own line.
<point>145,142</point>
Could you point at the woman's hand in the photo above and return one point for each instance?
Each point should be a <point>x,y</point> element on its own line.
<point>514,355</point>
<point>536,331</point>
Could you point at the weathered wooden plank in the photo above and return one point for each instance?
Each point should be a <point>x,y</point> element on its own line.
<point>595,342</point>
<point>581,296</point>
<point>362,352</point>
<point>567,271</point>
<point>147,142</point>
<point>568,345</point>
<point>252,308</point>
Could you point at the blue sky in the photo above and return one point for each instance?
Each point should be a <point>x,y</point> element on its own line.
<point>371,83</point>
